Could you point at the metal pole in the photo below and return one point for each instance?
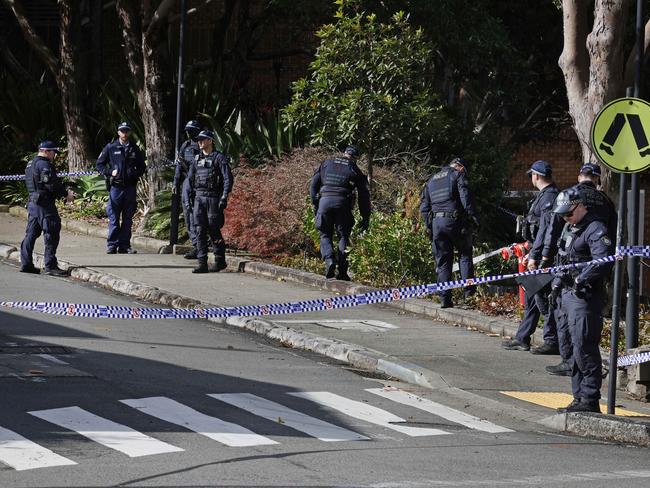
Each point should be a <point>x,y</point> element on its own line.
<point>633,263</point>
<point>618,291</point>
<point>176,197</point>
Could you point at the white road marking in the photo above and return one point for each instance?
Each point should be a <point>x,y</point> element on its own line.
<point>448,413</point>
<point>219,430</point>
<point>52,359</point>
<point>106,432</point>
<point>279,413</point>
<point>368,413</point>
<point>21,453</point>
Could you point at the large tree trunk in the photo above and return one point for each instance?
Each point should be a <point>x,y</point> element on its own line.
<point>64,71</point>
<point>595,71</point>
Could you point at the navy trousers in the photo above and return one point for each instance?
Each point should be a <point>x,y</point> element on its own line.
<point>188,211</point>
<point>537,306</point>
<point>447,235</point>
<point>208,221</point>
<point>121,207</point>
<point>334,213</point>
<point>45,220</point>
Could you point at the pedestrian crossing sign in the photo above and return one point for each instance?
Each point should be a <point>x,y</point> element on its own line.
<point>619,135</point>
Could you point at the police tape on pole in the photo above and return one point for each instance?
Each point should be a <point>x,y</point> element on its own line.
<point>322,304</point>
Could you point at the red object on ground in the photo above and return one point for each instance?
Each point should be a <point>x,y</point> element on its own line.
<point>518,250</point>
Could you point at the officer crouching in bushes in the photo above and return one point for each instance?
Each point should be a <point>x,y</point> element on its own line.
<point>210,180</point>
<point>44,187</point>
<point>583,295</point>
<point>447,208</point>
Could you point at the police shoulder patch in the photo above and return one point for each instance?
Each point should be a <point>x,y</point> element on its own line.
<point>606,240</point>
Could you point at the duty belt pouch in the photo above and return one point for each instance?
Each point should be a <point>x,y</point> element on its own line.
<point>38,197</point>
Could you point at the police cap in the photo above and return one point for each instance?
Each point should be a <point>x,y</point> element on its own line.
<point>206,134</point>
<point>459,160</point>
<point>590,169</point>
<point>541,168</point>
<point>192,124</point>
<point>352,151</point>
<point>566,201</point>
<point>48,146</point>
<point>124,127</point>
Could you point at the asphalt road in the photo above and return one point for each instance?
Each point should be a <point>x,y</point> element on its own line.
<point>191,403</point>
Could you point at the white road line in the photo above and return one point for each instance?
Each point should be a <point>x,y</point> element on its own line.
<point>219,430</point>
<point>448,413</point>
<point>106,432</point>
<point>368,413</point>
<point>279,413</point>
<point>51,358</point>
<point>21,453</point>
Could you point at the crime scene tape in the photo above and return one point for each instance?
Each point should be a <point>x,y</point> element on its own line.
<point>336,302</point>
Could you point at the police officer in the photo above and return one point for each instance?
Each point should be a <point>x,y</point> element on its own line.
<point>600,205</point>
<point>448,211</point>
<point>583,295</point>
<point>44,187</point>
<point>210,180</point>
<point>186,154</point>
<point>536,223</point>
<point>122,164</point>
<point>332,192</point>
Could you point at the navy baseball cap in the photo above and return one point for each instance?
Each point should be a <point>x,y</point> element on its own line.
<point>459,160</point>
<point>48,146</point>
<point>192,124</point>
<point>352,151</point>
<point>206,134</point>
<point>124,126</point>
<point>541,168</point>
<point>566,201</point>
<point>590,169</point>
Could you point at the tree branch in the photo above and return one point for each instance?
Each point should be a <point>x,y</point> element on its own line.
<point>574,60</point>
<point>630,65</point>
<point>130,35</point>
<point>158,18</point>
<point>32,37</point>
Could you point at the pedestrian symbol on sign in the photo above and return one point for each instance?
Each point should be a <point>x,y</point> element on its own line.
<point>618,135</point>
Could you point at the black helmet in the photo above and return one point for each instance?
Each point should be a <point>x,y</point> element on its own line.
<point>566,201</point>
<point>206,134</point>
<point>352,151</point>
<point>192,128</point>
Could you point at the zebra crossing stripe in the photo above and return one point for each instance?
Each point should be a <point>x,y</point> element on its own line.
<point>368,413</point>
<point>219,430</point>
<point>276,412</point>
<point>450,414</point>
<point>22,454</point>
<point>106,432</point>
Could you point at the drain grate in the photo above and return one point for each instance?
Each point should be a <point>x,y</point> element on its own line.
<point>32,349</point>
<point>368,374</point>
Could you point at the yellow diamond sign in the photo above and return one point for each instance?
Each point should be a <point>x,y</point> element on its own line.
<point>619,135</point>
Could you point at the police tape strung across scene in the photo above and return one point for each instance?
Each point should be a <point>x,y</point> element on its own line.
<point>22,177</point>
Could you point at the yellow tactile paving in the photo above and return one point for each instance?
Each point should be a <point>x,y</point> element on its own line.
<point>554,400</point>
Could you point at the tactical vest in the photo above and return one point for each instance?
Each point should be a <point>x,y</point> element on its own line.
<point>336,178</point>
<point>208,180</point>
<point>29,178</point>
<point>190,152</point>
<point>440,186</point>
<point>566,254</point>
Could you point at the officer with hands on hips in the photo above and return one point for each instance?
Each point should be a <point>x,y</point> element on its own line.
<point>332,192</point>
<point>583,295</point>
<point>448,210</point>
<point>536,224</point>
<point>210,181</point>
<point>122,164</point>
<point>44,187</point>
<point>186,154</point>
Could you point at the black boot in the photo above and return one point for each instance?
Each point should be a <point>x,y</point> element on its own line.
<point>191,254</point>
<point>330,268</point>
<point>219,264</point>
<point>581,406</point>
<point>55,271</point>
<point>565,368</point>
<point>29,268</point>
<point>202,267</point>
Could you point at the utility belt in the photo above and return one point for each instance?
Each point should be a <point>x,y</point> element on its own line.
<point>333,193</point>
<point>41,197</point>
<point>207,193</point>
<point>449,215</point>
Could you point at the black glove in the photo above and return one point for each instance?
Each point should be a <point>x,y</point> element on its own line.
<point>554,295</point>
<point>364,224</point>
<point>314,204</point>
<point>582,290</point>
<point>223,203</point>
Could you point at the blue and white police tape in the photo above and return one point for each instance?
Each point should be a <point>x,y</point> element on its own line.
<point>346,301</point>
<point>22,177</point>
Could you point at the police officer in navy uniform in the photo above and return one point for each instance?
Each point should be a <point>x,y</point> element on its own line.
<point>122,164</point>
<point>44,187</point>
<point>536,224</point>
<point>448,211</point>
<point>583,295</point>
<point>600,205</point>
<point>210,180</point>
<point>332,192</point>
<point>186,154</point>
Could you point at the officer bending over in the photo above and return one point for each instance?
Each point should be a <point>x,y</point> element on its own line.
<point>122,164</point>
<point>447,208</point>
<point>186,154</point>
<point>210,180</point>
<point>537,221</point>
<point>44,187</point>
<point>332,192</point>
<point>583,296</point>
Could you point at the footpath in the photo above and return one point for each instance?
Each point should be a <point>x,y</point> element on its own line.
<point>455,351</point>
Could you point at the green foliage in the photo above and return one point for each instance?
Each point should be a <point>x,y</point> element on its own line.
<point>90,188</point>
<point>391,253</point>
<point>158,221</point>
<point>13,193</point>
<point>370,83</point>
